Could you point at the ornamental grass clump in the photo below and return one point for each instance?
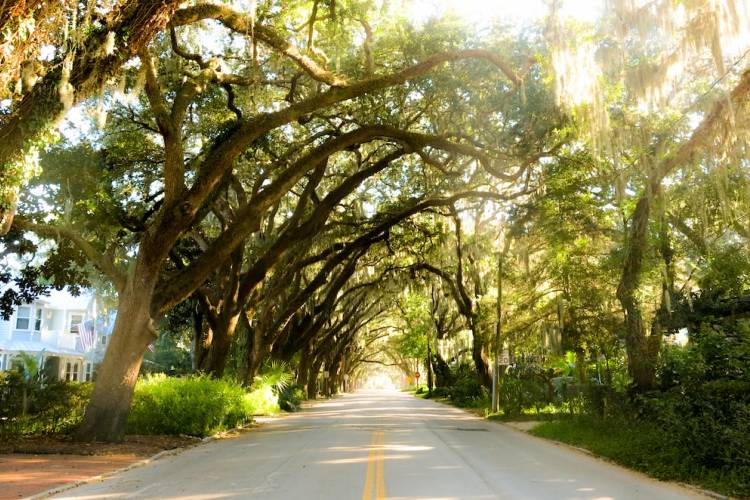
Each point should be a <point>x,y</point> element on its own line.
<point>194,406</point>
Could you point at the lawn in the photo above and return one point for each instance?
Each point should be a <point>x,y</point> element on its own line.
<point>646,448</point>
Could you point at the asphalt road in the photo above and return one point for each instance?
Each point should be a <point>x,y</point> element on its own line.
<point>374,445</point>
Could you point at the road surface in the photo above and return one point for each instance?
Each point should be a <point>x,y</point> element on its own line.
<point>374,445</point>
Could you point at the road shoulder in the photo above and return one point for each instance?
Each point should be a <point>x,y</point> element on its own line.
<point>524,427</point>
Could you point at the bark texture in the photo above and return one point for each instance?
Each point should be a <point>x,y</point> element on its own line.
<point>106,415</point>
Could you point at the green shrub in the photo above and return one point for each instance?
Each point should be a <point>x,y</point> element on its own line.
<point>263,400</point>
<point>269,387</point>
<point>704,402</point>
<point>291,397</point>
<point>466,389</point>
<point>440,392</point>
<point>274,374</point>
<point>529,386</point>
<point>602,401</point>
<point>194,406</point>
<point>648,447</point>
<point>51,408</point>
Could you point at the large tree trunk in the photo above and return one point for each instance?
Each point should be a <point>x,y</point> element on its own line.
<point>442,370</point>
<point>107,412</point>
<point>218,352</point>
<point>335,373</point>
<point>244,341</point>
<point>477,354</point>
<point>258,351</point>
<point>303,371</point>
<point>201,341</point>
<point>312,378</point>
<point>642,351</point>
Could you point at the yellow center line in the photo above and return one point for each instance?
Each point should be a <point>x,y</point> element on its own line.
<point>380,492</point>
<point>375,478</point>
<point>367,494</point>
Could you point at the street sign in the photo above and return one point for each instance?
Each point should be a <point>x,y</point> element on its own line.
<point>504,358</point>
<point>416,375</point>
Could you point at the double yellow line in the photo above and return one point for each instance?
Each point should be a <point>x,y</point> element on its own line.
<point>375,479</point>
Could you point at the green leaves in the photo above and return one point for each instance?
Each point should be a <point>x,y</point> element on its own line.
<point>276,375</point>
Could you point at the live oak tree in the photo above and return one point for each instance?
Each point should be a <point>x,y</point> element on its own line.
<point>184,170</point>
<point>260,175</point>
<point>646,64</point>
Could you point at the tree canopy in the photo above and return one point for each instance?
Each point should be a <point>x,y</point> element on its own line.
<point>332,184</point>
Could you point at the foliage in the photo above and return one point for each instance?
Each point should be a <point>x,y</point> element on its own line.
<point>263,400</point>
<point>705,398</point>
<point>51,408</point>
<point>276,375</point>
<point>29,368</point>
<point>273,391</point>
<point>291,398</point>
<point>411,343</point>
<point>644,446</point>
<point>194,406</point>
<point>524,386</point>
<point>692,429</point>
<point>171,353</point>
<point>466,391</point>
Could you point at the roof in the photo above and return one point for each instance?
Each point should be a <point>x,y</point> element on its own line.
<point>30,346</point>
<point>63,299</point>
<point>60,299</point>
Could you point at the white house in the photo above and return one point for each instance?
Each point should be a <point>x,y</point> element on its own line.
<point>61,330</point>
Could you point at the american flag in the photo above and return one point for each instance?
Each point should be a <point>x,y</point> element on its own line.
<point>86,332</point>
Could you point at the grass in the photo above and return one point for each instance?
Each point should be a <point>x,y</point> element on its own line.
<point>544,413</point>
<point>643,447</point>
<point>524,417</point>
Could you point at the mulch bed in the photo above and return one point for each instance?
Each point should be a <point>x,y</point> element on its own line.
<point>142,446</point>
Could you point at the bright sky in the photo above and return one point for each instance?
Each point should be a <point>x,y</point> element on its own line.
<point>482,11</point>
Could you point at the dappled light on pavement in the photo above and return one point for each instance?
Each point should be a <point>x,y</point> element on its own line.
<point>375,445</point>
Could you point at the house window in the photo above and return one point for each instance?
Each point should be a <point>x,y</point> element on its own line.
<point>38,320</point>
<point>23,317</point>
<point>87,374</point>
<point>75,320</point>
<point>75,371</point>
<point>103,339</point>
<point>68,370</point>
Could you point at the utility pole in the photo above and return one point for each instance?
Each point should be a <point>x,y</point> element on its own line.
<point>429,366</point>
<point>498,331</point>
